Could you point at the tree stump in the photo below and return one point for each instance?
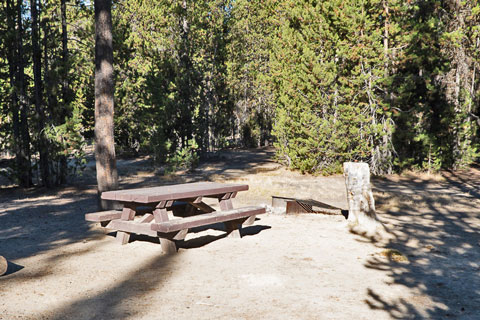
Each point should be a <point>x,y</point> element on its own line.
<point>3,265</point>
<point>362,218</point>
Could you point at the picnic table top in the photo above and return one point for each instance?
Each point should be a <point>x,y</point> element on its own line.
<point>173,192</point>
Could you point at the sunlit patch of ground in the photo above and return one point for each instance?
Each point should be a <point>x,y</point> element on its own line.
<point>285,267</point>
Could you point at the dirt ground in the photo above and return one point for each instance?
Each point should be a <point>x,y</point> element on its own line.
<point>284,267</point>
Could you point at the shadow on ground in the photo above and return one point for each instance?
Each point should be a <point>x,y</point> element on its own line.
<point>437,227</point>
<point>201,240</point>
<point>37,220</point>
<point>110,304</point>
<point>240,162</point>
<point>34,221</point>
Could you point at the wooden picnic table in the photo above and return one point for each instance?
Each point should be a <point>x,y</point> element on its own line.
<point>145,211</point>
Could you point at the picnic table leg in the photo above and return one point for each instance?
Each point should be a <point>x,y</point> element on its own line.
<point>225,200</point>
<point>127,214</point>
<point>249,221</point>
<point>232,227</point>
<point>168,245</point>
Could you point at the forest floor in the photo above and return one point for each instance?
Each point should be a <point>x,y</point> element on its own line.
<point>304,266</point>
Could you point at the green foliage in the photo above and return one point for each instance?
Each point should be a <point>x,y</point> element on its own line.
<point>67,141</point>
<point>184,158</point>
<point>63,107</point>
<point>390,82</point>
<point>436,87</point>
<point>249,41</point>
<point>169,82</point>
<point>328,69</point>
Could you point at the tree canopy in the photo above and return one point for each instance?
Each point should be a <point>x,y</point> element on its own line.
<point>389,82</point>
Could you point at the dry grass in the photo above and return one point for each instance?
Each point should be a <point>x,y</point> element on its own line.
<point>418,176</point>
<point>394,255</point>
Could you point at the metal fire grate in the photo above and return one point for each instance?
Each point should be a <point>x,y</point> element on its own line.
<point>295,206</point>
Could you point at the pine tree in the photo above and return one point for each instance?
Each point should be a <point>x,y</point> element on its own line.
<point>107,176</point>
<point>329,73</point>
<point>435,86</point>
<point>251,25</point>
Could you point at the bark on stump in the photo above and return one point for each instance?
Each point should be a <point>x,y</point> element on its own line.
<point>362,218</point>
<point>3,265</point>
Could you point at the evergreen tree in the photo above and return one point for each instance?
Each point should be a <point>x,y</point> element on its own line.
<point>107,176</point>
<point>390,82</point>
<point>435,86</point>
<point>328,67</point>
<point>251,25</point>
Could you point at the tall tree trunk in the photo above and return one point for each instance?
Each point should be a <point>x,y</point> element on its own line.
<point>185,85</point>
<point>21,133</point>
<point>12,68</point>
<point>50,97</point>
<point>107,176</point>
<point>65,86</point>
<point>385,39</point>
<point>46,68</point>
<point>64,51</point>
<point>208,135</point>
<point>37,79</point>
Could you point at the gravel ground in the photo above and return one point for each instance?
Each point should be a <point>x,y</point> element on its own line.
<point>284,267</point>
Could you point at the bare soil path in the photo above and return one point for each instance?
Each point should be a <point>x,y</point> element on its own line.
<point>285,267</point>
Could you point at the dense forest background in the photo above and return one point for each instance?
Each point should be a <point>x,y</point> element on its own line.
<point>394,83</point>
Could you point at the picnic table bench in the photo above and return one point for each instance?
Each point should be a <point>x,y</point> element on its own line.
<point>145,211</point>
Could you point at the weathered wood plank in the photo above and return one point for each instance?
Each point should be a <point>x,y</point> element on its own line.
<point>166,242</point>
<point>233,228</point>
<point>250,220</point>
<point>181,235</point>
<point>127,214</point>
<point>206,219</point>
<point>160,215</point>
<point>146,218</point>
<point>122,237</point>
<point>226,196</point>
<point>103,215</point>
<point>139,227</point>
<point>132,227</point>
<point>226,204</point>
<point>168,246</point>
<point>173,192</point>
<point>197,200</point>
